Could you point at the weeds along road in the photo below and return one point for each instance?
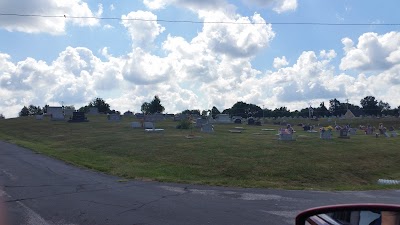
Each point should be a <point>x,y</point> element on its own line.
<point>41,190</point>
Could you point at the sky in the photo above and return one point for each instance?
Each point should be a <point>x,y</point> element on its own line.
<point>197,54</point>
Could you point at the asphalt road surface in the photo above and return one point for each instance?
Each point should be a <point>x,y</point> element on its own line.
<point>40,190</point>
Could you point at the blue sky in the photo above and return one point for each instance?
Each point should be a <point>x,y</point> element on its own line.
<point>196,65</point>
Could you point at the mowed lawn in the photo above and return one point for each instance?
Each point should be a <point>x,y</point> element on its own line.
<point>253,158</point>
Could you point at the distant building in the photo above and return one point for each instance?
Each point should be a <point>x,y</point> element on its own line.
<point>354,113</point>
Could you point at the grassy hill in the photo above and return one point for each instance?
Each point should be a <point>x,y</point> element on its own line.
<point>253,158</point>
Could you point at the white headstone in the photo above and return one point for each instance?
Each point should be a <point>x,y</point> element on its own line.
<point>148,125</point>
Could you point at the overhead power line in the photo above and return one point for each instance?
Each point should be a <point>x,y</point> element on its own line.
<point>199,22</point>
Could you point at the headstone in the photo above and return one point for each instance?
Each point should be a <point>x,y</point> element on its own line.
<point>148,125</point>
<point>207,128</point>
<point>344,133</point>
<point>136,125</point>
<point>39,117</point>
<point>238,121</point>
<point>56,113</point>
<point>326,134</point>
<point>200,122</point>
<point>250,121</point>
<point>286,134</point>
<point>223,118</point>
<point>78,117</point>
<point>114,117</point>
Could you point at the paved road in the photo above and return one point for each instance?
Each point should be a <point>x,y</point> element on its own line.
<point>41,190</point>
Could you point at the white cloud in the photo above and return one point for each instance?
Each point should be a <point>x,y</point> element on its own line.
<point>280,62</point>
<point>112,7</point>
<point>143,68</point>
<point>108,27</point>
<point>373,52</point>
<point>55,26</point>
<point>278,6</point>
<point>190,4</point>
<point>142,32</point>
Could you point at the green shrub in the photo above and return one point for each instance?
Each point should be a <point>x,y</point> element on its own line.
<point>184,124</point>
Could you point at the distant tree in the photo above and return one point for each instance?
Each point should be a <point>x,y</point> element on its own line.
<point>215,112</point>
<point>191,112</point>
<point>100,104</point>
<point>384,107</point>
<point>2,116</point>
<point>145,108</point>
<point>321,111</point>
<point>84,109</point>
<point>69,107</point>
<point>34,110</point>
<point>370,105</point>
<point>281,112</point>
<point>44,109</point>
<point>24,111</point>
<point>245,110</point>
<point>153,107</point>
<point>337,108</point>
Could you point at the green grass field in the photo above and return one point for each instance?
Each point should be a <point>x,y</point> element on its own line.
<point>254,158</point>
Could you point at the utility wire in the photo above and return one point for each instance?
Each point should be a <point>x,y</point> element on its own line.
<point>199,22</point>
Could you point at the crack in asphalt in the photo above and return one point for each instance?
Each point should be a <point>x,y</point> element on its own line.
<point>156,200</point>
<point>106,204</point>
<point>50,185</point>
<point>66,193</point>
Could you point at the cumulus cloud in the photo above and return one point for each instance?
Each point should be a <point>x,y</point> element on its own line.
<point>55,26</point>
<point>144,68</point>
<point>373,52</point>
<point>190,4</point>
<point>75,76</point>
<point>278,6</point>
<point>142,32</point>
<point>280,62</point>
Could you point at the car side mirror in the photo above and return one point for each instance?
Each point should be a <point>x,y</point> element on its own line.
<point>354,214</point>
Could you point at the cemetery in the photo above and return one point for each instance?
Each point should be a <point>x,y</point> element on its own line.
<point>340,154</point>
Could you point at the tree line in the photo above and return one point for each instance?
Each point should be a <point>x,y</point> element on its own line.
<point>370,106</point>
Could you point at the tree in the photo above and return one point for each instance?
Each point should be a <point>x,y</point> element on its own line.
<point>153,107</point>
<point>337,108</point>
<point>100,104</point>
<point>34,110</point>
<point>24,111</point>
<point>281,112</point>
<point>384,107</point>
<point>2,116</point>
<point>321,111</point>
<point>245,110</point>
<point>370,105</point>
<point>145,108</point>
<point>191,112</point>
<point>215,112</point>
